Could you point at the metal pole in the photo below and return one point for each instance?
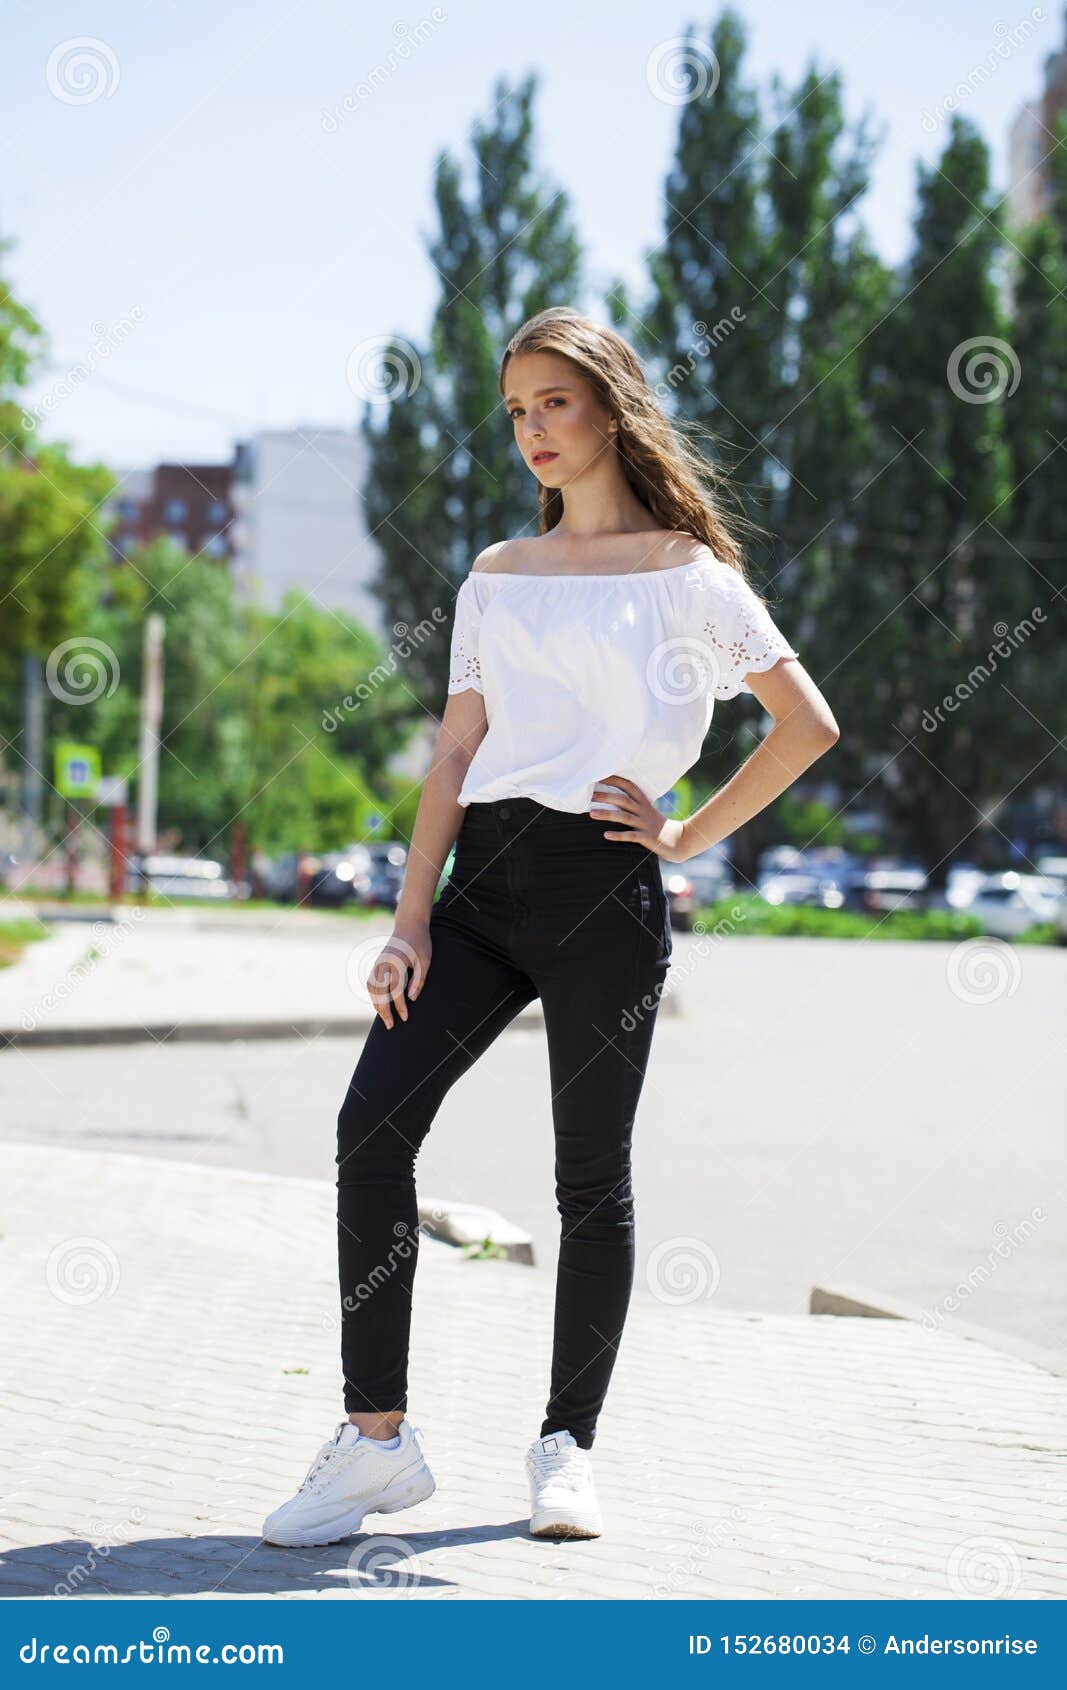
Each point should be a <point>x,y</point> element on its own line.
<point>151,716</point>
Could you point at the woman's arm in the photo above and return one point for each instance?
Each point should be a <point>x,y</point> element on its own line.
<point>401,966</point>
<point>804,730</point>
<point>437,821</point>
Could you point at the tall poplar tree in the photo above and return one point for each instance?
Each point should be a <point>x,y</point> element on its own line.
<point>445,479</point>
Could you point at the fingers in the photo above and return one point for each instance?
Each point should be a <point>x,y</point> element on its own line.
<point>389,979</point>
<point>379,986</point>
<point>399,983</point>
<point>612,801</point>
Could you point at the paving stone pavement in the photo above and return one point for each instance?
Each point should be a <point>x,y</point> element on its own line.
<point>171,1371</point>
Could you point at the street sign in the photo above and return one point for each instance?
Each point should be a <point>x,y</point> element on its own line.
<point>77,769</point>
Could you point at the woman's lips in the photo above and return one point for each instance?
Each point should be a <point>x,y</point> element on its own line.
<point>544,457</point>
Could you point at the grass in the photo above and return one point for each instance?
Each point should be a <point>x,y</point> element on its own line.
<point>132,900</point>
<point>16,935</point>
<point>758,918</point>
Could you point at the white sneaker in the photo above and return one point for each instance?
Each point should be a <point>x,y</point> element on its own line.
<point>352,1475</point>
<point>562,1499</point>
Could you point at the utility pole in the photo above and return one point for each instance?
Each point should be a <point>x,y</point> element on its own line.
<point>151,716</point>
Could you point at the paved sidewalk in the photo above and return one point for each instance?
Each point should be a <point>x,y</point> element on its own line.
<point>200,974</point>
<point>172,1370</point>
<point>194,974</point>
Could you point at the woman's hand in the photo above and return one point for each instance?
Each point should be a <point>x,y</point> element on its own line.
<point>642,823</point>
<point>408,949</point>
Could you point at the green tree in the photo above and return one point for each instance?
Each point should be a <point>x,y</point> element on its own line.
<point>935,573</point>
<point>262,717</point>
<point>1036,424</point>
<point>765,286</point>
<point>52,543</point>
<point>445,480</point>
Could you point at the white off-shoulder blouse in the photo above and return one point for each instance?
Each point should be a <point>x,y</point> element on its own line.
<point>589,675</point>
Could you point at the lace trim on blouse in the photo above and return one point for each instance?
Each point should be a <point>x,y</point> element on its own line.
<point>465,670</point>
<point>740,632</point>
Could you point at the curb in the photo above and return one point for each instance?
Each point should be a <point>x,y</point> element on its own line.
<point>467,1223</point>
<point>206,1032</point>
<point>873,1305</point>
<point>224,1032</point>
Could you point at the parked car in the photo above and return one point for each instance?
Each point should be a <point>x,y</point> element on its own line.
<point>692,884</point>
<point>961,884</point>
<point>816,877</point>
<point>1010,903</point>
<point>1053,868</point>
<point>288,872</point>
<point>882,887</point>
<point>183,877</point>
<point>792,887</point>
<point>388,859</point>
<point>341,877</point>
<point>779,859</point>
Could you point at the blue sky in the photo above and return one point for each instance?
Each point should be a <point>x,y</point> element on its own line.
<point>230,250</point>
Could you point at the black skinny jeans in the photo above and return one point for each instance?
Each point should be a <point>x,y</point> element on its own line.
<point>539,904</point>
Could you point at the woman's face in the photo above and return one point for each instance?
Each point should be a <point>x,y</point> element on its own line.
<point>554,413</point>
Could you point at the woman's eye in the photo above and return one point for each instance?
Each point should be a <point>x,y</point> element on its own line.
<point>517,410</point>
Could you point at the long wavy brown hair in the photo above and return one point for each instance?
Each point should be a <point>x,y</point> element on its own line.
<point>681,489</point>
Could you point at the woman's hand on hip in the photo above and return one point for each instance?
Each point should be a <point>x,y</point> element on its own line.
<point>400,966</point>
<point>636,818</point>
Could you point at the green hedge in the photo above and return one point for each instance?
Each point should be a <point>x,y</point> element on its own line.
<point>799,920</point>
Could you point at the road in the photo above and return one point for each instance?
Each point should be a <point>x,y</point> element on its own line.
<point>831,1112</point>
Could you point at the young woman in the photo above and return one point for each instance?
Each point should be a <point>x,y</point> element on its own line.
<point>585,663</point>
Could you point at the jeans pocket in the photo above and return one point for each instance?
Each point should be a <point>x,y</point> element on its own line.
<point>655,906</point>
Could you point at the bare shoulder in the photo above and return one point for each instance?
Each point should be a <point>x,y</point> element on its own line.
<point>491,558</point>
<point>677,548</point>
